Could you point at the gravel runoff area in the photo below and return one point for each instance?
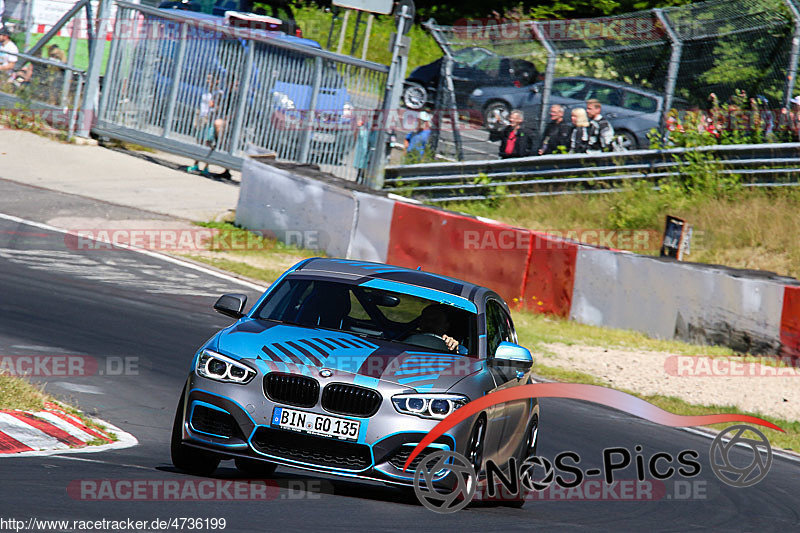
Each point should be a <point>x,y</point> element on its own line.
<point>751,386</point>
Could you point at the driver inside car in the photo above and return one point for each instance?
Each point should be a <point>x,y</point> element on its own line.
<point>434,321</point>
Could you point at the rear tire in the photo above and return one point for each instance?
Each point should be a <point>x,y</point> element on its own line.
<point>254,467</point>
<point>186,458</point>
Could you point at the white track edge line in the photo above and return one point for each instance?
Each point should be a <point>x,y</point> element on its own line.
<point>144,251</point>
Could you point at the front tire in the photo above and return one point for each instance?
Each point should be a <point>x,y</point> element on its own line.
<point>186,458</point>
<point>415,96</point>
<point>495,116</point>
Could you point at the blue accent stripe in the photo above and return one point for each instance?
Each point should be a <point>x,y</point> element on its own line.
<point>405,372</point>
<point>426,377</point>
<point>422,292</point>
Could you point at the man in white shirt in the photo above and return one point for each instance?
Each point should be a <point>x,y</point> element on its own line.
<point>8,51</point>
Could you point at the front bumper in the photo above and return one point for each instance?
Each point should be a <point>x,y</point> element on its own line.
<point>234,421</point>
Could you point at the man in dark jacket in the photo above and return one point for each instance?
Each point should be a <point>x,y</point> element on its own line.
<point>557,132</point>
<point>515,140</point>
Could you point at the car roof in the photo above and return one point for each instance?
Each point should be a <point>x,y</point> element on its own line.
<point>220,21</point>
<point>367,270</point>
<point>614,83</point>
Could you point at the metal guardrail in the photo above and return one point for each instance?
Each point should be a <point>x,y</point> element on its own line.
<point>760,165</point>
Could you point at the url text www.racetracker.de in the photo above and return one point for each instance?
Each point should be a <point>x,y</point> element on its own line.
<point>104,524</point>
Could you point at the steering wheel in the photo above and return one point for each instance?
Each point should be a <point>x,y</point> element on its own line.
<point>428,340</point>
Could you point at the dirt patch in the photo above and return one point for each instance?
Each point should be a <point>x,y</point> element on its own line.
<point>760,390</point>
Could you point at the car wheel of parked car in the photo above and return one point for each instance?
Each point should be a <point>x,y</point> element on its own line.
<point>495,117</point>
<point>628,140</point>
<point>186,458</point>
<point>415,96</point>
<point>255,467</point>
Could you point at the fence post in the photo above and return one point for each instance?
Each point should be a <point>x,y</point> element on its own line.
<point>672,72</point>
<point>177,73</point>
<point>112,59</point>
<point>73,42</point>
<point>244,94</point>
<point>75,102</point>
<point>28,23</point>
<point>308,120</point>
<point>391,99</point>
<point>93,72</point>
<point>549,74</point>
<point>791,77</point>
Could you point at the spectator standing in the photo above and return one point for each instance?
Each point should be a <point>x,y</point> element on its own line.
<point>515,140</point>
<point>557,133</point>
<point>365,143</point>
<point>417,141</point>
<point>579,139</point>
<point>204,123</point>
<point>601,132</point>
<point>8,51</point>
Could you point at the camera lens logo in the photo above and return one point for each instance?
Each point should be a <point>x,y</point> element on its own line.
<point>729,465</point>
<point>458,482</point>
<point>527,473</point>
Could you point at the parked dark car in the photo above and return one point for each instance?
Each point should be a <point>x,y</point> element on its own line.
<point>632,111</point>
<point>473,67</point>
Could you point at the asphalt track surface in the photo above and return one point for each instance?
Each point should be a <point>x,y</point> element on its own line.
<point>116,304</point>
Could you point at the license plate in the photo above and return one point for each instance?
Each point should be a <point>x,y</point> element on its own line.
<point>323,137</point>
<point>315,424</point>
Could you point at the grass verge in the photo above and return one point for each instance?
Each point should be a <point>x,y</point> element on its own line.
<point>20,394</point>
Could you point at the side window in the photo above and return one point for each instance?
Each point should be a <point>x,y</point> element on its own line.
<point>497,327</point>
<point>574,89</point>
<point>605,94</point>
<point>639,102</point>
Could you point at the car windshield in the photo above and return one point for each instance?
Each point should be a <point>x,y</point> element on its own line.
<point>387,315</point>
<point>470,56</point>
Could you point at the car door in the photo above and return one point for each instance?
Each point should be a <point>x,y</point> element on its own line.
<point>496,413</point>
<point>517,412</point>
<point>500,329</point>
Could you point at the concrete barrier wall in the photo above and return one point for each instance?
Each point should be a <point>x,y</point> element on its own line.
<point>297,209</point>
<point>669,300</point>
<point>703,304</point>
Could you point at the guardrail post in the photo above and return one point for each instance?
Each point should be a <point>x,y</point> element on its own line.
<point>549,75</point>
<point>75,102</point>
<point>791,77</point>
<point>308,120</point>
<point>244,94</point>
<point>177,73</point>
<point>93,72</point>
<point>672,72</point>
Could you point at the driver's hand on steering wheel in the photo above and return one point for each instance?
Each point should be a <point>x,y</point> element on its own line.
<point>451,343</point>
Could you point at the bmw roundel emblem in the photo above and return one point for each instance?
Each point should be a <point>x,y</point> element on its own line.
<point>326,372</point>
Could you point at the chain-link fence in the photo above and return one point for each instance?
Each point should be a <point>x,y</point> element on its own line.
<point>640,66</point>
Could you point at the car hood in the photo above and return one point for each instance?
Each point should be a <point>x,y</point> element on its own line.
<point>286,348</point>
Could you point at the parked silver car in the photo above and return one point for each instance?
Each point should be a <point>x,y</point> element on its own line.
<point>632,111</point>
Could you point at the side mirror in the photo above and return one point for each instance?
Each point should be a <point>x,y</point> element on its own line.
<point>231,305</point>
<point>508,352</point>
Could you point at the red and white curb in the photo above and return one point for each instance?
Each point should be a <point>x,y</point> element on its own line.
<point>53,430</point>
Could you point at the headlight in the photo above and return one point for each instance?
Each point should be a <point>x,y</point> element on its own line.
<point>213,365</point>
<point>435,406</point>
<point>282,100</point>
<point>477,92</point>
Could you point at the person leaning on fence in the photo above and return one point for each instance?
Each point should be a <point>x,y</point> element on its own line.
<point>557,133</point>
<point>579,139</point>
<point>204,122</point>
<point>515,140</point>
<point>601,132</point>
<point>8,51</point>
<point>417,141</point>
